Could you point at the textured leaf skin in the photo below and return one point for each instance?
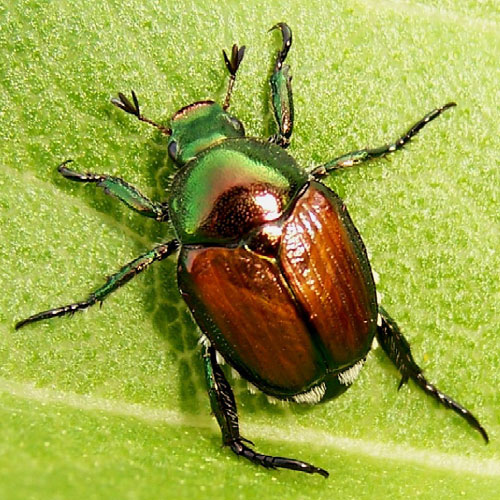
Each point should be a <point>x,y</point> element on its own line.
<point>362,72</point>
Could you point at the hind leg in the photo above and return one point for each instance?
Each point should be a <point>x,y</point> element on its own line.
<point>397,348</point>
<point>224,408</point>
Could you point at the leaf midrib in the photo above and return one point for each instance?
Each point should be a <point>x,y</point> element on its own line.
<point>301,435</point>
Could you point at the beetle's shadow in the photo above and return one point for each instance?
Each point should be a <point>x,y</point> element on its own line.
<point>170,317</point>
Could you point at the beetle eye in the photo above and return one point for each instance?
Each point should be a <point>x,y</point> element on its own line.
<point>237,125</point>
<point>172,150</point>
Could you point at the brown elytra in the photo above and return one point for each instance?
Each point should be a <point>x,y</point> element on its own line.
<point>286,321</point>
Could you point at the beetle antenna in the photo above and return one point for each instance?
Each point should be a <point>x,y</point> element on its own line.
<point>124,104</point>
<point>232,66</point>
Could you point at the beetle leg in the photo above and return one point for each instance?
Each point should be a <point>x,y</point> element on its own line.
<point>124,104</point>
<point>281,90</point>
<point>224,408</point>
<point>114,186</point>
<point>232,66</point>
<point>397,348</point>
<point>125,274</point>
<point>357,157</point>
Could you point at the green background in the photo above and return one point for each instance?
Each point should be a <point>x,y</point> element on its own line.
<point>111,403</point>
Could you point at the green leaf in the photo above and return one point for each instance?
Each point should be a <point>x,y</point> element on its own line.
<point>111,403</point>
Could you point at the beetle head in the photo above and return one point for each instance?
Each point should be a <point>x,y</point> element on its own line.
<point>199,126</point>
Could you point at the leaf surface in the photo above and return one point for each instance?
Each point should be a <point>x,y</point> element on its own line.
<point>111,403</point>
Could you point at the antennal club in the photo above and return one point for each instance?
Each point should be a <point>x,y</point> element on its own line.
<point>232,66</point>
<point>124,104</point>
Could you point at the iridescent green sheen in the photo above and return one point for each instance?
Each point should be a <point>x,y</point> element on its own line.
<point>261,175</point>
<point>282,101</point>
<point>199,126</point>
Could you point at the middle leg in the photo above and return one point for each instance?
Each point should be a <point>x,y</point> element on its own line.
<point>357,157</point>
<point>397,348</point>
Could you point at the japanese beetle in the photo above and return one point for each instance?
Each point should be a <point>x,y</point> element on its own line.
<point>270,263</point>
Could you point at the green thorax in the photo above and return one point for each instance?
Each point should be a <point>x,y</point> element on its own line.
<point>232,187</point>
<point>227,184</point>
<point>197,127</point>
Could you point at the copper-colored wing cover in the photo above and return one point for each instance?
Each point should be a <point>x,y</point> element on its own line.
<point>285,322</point>
<point>325,263</point>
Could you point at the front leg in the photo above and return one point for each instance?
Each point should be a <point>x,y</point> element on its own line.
<point>118,188</point>
<point>281,90</point>
<point>397,348</point>
<point>224,408</point>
